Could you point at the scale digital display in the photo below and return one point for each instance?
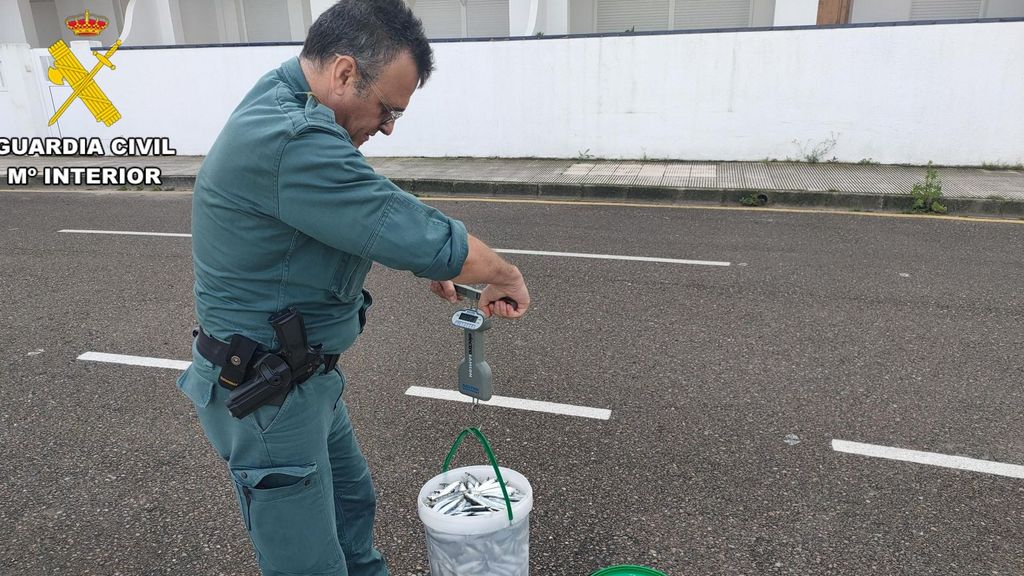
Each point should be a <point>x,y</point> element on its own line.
<point>469,320</point>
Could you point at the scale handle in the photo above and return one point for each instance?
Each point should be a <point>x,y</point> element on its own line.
<point>473,293</point>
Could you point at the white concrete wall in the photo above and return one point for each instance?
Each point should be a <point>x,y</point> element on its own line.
<point>182,93</point>
<point>952,94</point>
<point>902,95</point>
<point>21,100</point>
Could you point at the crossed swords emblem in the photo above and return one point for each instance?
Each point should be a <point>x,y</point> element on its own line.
<point>68,68</point>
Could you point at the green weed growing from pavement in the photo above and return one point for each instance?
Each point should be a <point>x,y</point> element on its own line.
<point>1001,166</point>
<point>585,155</point>
<point>926,194</point>
<point>814,153</point>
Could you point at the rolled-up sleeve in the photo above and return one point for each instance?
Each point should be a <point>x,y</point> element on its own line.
<point>327,191</point>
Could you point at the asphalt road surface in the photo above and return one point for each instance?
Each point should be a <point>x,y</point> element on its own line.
<point>727,388</point>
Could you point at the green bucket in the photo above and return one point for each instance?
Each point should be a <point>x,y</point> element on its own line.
<point>626,570</point>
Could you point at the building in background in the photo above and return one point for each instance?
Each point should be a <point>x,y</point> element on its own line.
<point>160,22</point>
<point>40,23</point>
<point>904,94</point>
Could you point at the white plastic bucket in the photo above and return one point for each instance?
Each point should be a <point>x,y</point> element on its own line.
<point>487,545</point>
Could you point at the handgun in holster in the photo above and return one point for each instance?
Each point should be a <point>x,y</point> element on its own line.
<point>273,374</point>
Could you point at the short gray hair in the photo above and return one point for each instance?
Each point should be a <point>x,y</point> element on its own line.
<point>373,32</point>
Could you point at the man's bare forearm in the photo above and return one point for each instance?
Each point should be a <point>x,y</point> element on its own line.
<point>484,265</point>
<point>505,295</point>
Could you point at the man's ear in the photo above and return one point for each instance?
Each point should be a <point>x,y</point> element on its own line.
<point>344,74</point>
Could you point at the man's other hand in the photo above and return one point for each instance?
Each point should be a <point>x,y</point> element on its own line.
<point>445,290</point>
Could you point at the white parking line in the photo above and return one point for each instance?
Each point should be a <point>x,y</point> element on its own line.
<point>452,395</point>
<point>502,250</point>
<point>516,403</point>
<point>124,233</point>
<point>932,458</point>
<point>614,257</point>
<point>135,360</point>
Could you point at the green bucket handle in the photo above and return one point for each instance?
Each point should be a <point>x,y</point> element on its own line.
<point>490,456</point>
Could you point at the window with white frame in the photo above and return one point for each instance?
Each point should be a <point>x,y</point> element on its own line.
<point>632,15</point>
<point>200,23</point>
<point>866,11</point>
<point>651,15</point>
<point>265,20</point>
<point>463,18</point>
<point>696,14</point>
<point>486,18</point>
<point>441,18</point>
<point>945,9</point>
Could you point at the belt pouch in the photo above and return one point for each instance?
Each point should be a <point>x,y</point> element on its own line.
<point>236,362</point>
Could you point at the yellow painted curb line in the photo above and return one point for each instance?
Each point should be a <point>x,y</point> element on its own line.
<point>980,219</point>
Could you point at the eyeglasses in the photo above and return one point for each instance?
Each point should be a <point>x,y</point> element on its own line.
<point>390,114</point>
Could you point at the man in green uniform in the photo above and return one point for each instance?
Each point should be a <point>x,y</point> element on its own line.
<point>287,213</point>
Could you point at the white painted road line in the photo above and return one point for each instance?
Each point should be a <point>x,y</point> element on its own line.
<point>613,257</point>
<point>516,403</point>
<point>135,360</point>
<point>452,395</point>
<point>503,250</point>
<point>123,233</point>
<point>958,462</point>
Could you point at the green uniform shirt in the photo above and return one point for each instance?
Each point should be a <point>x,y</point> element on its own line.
<point>286,212</point>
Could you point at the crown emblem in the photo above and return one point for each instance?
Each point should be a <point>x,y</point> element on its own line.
<point>86,25</point>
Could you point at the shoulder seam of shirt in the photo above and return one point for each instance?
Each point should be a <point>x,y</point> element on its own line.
<point>304,127</point>
<point>282,89</point>
<point>331,128</point>
<point>277,170</point>
<point>299,118</point>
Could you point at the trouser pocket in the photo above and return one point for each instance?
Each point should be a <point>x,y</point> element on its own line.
<point>285,510</point>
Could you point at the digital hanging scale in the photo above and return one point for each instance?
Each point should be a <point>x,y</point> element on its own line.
<point>474,371</point>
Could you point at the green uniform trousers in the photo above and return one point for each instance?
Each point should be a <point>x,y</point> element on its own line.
<point>303,486</point>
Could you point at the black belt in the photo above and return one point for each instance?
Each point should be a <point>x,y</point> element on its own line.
<point>217,352</point>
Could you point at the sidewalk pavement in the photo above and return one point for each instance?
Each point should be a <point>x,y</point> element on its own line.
<point>983,191</point>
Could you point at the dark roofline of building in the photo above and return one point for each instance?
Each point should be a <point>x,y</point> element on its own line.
<point>611,34</point>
